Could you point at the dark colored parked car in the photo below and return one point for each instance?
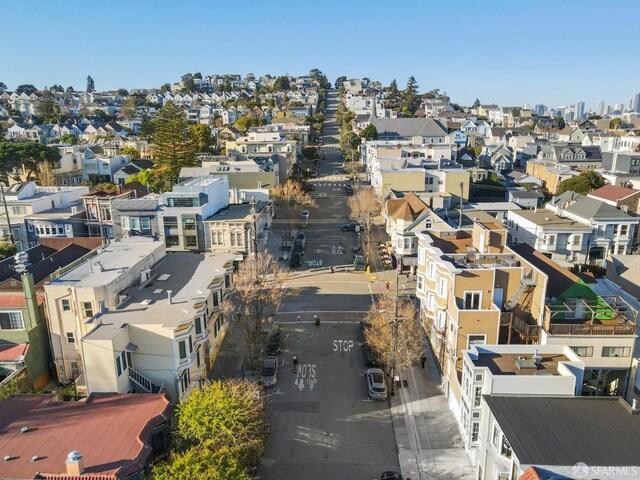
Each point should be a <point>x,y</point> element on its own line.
<point>390,476</point>
<point>296,260</point>
<point>274,344</point>
<point>298,248</point>
<point>348,227</point>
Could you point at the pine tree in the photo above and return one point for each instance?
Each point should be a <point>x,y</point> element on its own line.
<point>174,144</point>
<point>412,86</point>
<point>393,87</point>
<point>91,86</point>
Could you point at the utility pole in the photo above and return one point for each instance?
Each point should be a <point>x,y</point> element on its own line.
<point>461,190</point>
<point>255,227</point>
<point>6,212</point>
<point>394,332</point>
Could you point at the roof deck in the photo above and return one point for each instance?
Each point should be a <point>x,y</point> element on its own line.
<point>610,315</point>
<point>520,363</point>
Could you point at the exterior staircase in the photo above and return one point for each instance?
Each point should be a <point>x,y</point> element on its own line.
<point>144,383</point>
<point>525,283</point>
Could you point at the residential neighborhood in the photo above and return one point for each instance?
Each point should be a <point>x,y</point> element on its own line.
<point>221,274</point>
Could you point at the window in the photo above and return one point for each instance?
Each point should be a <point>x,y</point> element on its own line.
<point>190,344</point>
<point>420,282</point>
<point>125,223</point>
<point>216,299</point>
<point>478,339</point>
<point>496,436</point>
<point>145,223</point>
<point>583,351</point>
<point>505,448</point>
<point>123,362</point>
<point>65,305</point>
<point>227,281</point>
<point>182,349</point>
<point>87,309</point>
<point>550,239</point>
<point>11,321</point>
<point>431,271</point>
<point>135,223</point>
<point>472,300</point>
<point>75,371</point>
<point>171,222</point>
<point>616,351</point>
<point>475,430</point>
<point>71,338</point>
<point>185,380</point>
<point>190,241</point>
<point>622,230</point>
<point>19,210</point>
<point>478,377</point>
<point>442,287</point>
<point>198,326</point>
<point>477,396</point>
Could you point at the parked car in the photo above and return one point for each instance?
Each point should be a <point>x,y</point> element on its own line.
<point>359,262</point>
<point>298,249</point>
<point>390,476</point>
<point>304,215</point>
<point>376,386</point>
<point>348,189</point>
<point>348,227</point>
<point>314,173</point>
<point>274,343</point>
<point>301,238</point>
<point>370,358</point>
<point>296,260</point>
<point>269,375</point>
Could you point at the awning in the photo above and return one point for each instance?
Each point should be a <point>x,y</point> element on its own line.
<point>407,261</point>
<point>131,347</point>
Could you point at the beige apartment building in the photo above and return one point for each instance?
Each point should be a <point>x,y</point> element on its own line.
<point>472,287</point>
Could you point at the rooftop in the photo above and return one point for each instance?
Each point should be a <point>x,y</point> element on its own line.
<point>186,275</point>
<point>547,219</point>
<point>106,429</point>
<point>565,431</point>
<point>113,260</point>
<point>520,364</point>
<point>613,192</point>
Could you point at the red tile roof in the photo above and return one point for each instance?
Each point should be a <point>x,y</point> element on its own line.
<point>613,192</point>
<point>17,300</point>
<point>10,352</point>
<point>110,431</point>
<point>530,474</point>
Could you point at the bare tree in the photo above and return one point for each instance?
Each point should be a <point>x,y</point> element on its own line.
<point>289,199</point>
<point>256,293</point>
<point>364,206</point>
<point>393,331</point>
<point>45,175</point>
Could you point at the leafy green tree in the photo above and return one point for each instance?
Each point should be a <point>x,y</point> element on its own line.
<point>157,180</point>
<point>131,151</point>
<point>197,75</point>
<point>7,249</point>
<point>594,117</point>
<point>615,123</point>
<point>188,85</point>
<point>91,86</point>
<point>310,153</point>
<point>29,154</point>
<point>203,463</point>
<point>393,86</point>
<point>3,87</point>
<point>26,88</point>
<point>476,104</point>
<point>146,129</point>
<point>349,141</point>
<point>56,88</point>
<point>583,184</point>
<point>69,138</point>
<point>174,144</point>
<point>281,83</point>
<point>48,108</point>
<point>122,92</point>
<point>370,132</point>
<point>165,88</point>
<point>243,124</point>
<point>339,81</point>
<point>70,89</point>
<point>203,137</point>
<point>129,108</point>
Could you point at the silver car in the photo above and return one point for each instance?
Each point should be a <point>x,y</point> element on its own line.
<point>269,376</point>
<point>376,387</point>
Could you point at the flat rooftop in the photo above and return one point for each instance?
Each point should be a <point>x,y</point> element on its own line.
<point>187,275</point>
<point>545,218</point>
<point>520,364</point>
<point>114,259</point>
<point>564,431</point>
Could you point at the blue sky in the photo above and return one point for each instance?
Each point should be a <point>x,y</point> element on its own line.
<point>505,51</point>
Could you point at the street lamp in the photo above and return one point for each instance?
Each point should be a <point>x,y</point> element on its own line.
<point>255,228</point>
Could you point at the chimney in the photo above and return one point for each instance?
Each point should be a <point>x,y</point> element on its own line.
<point>31,297</point>
<point>75,464</point>
<point>169,296</point>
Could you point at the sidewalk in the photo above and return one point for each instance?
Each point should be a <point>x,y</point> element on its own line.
<point>427,437</point>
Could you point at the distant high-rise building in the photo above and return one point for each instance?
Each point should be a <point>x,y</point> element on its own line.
<point>619,107</point>
<point>580,110</point>
<point>539,109</point>
<point>600,108</point>
<point>636,103</point>
<point>630,102</point>
<point>608,110</point>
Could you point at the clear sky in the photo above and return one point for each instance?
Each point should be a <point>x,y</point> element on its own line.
<point>505,51</point>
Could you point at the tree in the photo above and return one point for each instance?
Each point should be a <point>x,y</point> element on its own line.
<point>582,184</point>
<point>3,87</point>
<point>310,153</point>
<point>174,145</point>
<point>594,117</point>
<point>56,88</point>
<point>339,81</point>
<point>188,85</point>
<point>349,141</point>
<point>129,150</point>
<point>26,88</point>
<point>27,155</point>
<point>243,124</point>
<point>476,104</point>
<point>203,137</point>
<point>146,129</point>
<point>129,108</point>
<point>157,180</point>
<point>257,292</point>
<point>122,92</point>
<point>289,199</point>
<point>70,89</point>
<point>393,331</point>
<point>69,138</point>
<point>370,132</point>
<point>393,86</point>
<point>45,176</point>
<point>412,87</point>
<point>204,463</point>
<point>364,206</point>
<point>91,86</point>
<point>281,83</point>
<point>48,108</point>
<point>164,88</point>
<point>615,124</point>
<point>7,250</point>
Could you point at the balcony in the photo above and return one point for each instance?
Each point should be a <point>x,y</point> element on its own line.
<point>528,331</point>
<point>610,315</point>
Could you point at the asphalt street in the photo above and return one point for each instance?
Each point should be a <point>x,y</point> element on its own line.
<point>322,425</point>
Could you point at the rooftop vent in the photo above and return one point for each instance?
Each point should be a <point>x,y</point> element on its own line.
<point>537,358</point>
<point>24,429</point>
<point>163,277</point>
<point>157,291</point>
<point>146,301</point>
<point>8,458</point>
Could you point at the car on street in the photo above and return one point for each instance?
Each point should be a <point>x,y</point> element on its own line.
<point>301,238</point>
<point>348,227</point>
<point>370,358</point>
<point>376,386</point>
<point>269,374</point>
<point>390,476</point>
<point>359,262</point>
<point>348,189</point>
<point>296,260</point>
<point>304,215</point>
<point>274,343</point>
<point>314,173</point>
<point>308,187</point>
<point>298,249</point>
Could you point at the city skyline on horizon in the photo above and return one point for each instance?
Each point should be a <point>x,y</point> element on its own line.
<point>500,52</point>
